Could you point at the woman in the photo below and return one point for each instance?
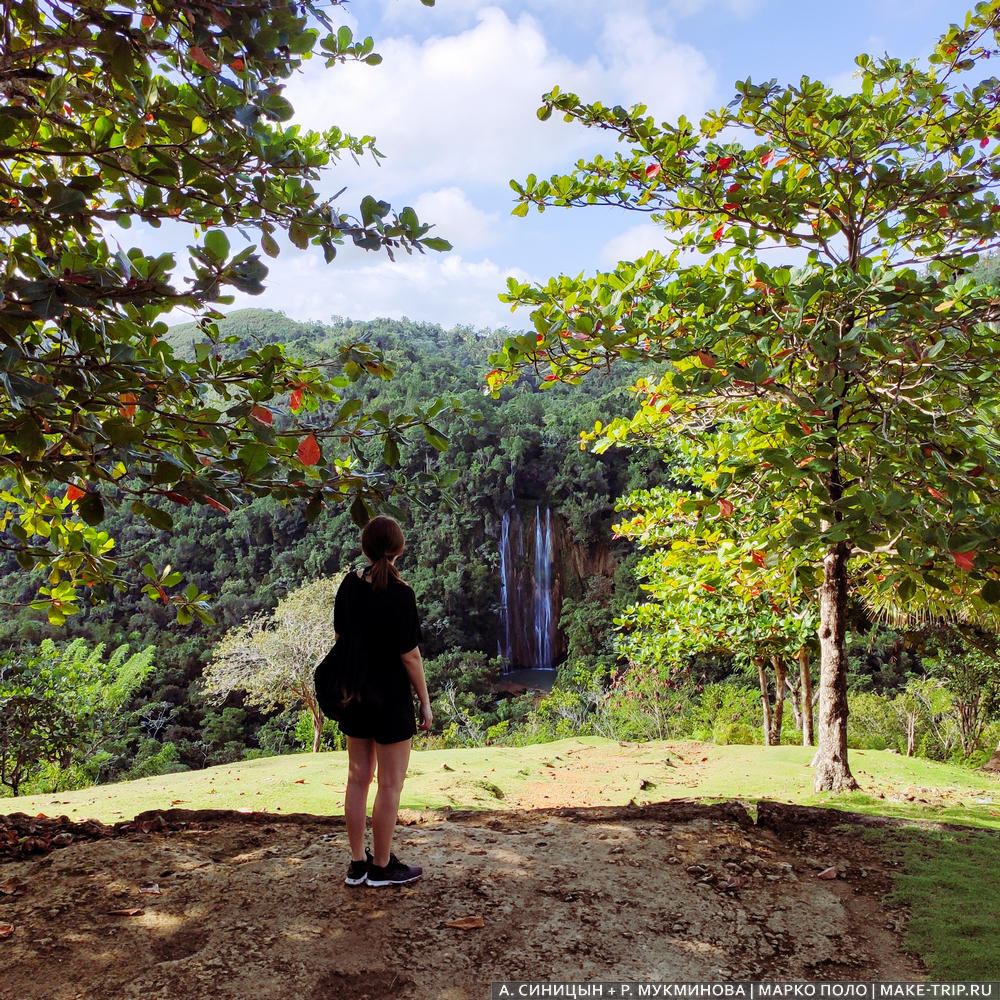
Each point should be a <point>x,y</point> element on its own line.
<point>378,612</point>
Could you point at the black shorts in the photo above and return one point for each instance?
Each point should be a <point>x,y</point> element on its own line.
<point>383,726</point>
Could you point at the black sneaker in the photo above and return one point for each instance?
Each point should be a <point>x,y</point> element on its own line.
<point>358,870</point>
<point>394,873</point>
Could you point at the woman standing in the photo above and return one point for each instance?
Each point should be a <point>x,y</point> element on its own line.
<point>377,611</point>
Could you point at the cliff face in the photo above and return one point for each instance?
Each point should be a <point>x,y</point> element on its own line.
<point>540,565</point>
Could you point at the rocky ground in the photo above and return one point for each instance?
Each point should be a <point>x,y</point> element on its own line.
<point>189,905</point>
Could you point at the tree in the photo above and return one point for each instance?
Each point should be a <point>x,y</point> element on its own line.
<point>272,658</point>
<point>864,367</point>
<point>61,708</point>
<point>708,589</point>
<point>171,115</point>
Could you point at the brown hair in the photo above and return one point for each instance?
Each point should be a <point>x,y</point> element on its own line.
<point>382,539</point>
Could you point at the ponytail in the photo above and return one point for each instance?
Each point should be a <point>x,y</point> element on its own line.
<point>381,571</point>
<point>381,540</point>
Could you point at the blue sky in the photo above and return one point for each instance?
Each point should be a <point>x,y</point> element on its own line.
<point>453,109</point>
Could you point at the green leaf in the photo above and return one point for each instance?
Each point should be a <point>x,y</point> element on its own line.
<point>217,244</point>
<point>361,513</point>
<point>435,243</point>
<point>991,592</point>
<point>278,108</point>
<point>91,508</point>
<point>254,457</point>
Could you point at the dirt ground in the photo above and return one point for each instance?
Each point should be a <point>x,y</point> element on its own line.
<point>233,905</point>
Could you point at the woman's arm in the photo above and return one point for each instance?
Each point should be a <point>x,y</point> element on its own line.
<point>414,665</point>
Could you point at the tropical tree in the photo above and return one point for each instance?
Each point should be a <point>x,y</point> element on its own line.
<point>708,590</point>
<point>272,658</point>
<point>60,708</point>
<point>862,360</point>
<point>170,115</point>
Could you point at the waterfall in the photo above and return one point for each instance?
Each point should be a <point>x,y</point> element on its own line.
<point>542,597</point>
<point>504,642</point>
<point>526,590</point>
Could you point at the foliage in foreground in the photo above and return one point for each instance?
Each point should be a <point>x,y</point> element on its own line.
<point>172,115</point>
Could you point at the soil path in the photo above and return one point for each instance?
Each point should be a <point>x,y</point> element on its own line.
<point>254,906</point>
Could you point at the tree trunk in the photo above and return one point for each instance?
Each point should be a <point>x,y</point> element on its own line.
<point>832,772</point>
<point>779,700</point>
<point>911,734</point>
<point>317,721</point>
<point>806,688</point>
<point>764,699</point>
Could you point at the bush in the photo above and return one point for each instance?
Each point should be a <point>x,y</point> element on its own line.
<point>874,722</point>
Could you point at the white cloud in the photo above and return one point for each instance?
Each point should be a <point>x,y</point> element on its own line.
<point>741,8</point>
<point>460,108</point>
<point>633,243</point>
<point>456,218</point>
<point>439,288</point>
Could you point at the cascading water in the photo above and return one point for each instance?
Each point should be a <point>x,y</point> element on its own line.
<point>504,641</point>
<point>526,591</point>
<point>542,602</point>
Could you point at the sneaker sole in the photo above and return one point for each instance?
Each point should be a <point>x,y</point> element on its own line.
<point>385,882</point>
<point>356,881</point>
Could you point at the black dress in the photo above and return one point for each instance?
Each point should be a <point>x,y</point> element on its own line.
<point>383,624</point>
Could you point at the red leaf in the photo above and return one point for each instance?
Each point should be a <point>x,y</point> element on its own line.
<point>300,781</point>
<point>212,502</point>
<point>540,338</point>
<point>238,65</point>
<point>708,586</point>
<point>723,163</point>
<point>734,188</point>
<point>935,493</point>
<point>985,141</point>
<point>551,378</point>
<point>295,400</point>
<point>726,508</point>
<point>128,409</point>
<point>147,22</point>
<point>197,53</point>
<point>261,413</point>
<point>717,235</point>
<point>74,492</point>
<point>308,451</point>
<point>706,359</point>
<point>942,211</point>
<point>964,560</point>
<point>730,205</point>
<point>758,557</point>
<point>131,911</point>
<point>178,498</point>
<point>766,158</point>
<point>652,170</point>
<point>579,336</point>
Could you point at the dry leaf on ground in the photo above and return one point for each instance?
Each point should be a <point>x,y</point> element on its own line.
<point>466,923</point>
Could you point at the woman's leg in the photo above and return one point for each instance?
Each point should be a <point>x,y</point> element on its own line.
<point>393,759</point>
<point>360,769</point>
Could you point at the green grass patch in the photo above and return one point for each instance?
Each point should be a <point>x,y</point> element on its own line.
<point>581,771</point>
<point>950,883</point>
